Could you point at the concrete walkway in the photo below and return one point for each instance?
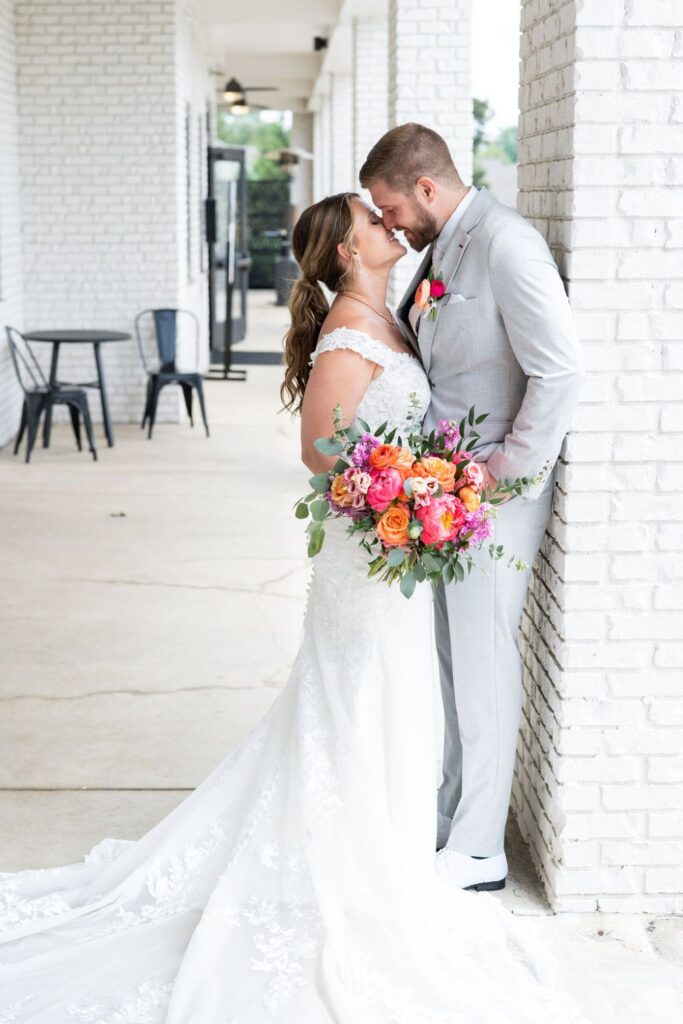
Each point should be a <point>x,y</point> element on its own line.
<point>151,610</point>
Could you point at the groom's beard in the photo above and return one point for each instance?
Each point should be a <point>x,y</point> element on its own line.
<point>423,232</point>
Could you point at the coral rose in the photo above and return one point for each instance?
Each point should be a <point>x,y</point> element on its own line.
<point>387,456</point>
<point>469,498</point>
<point>441,520</point>
<point>392,528</point>
<point>472,476</point>
<point>340,492</point>
<point>386,485</point>
<point>432,465</point>
<point>422,295</point>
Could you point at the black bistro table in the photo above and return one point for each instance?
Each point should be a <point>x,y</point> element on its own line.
<point>80,337</point>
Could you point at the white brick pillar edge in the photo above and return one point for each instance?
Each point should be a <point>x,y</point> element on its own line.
<point>370,87</point>
<point>599,784</point>
<point>429,82</point>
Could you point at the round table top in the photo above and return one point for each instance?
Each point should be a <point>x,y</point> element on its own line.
<point>77,336</point>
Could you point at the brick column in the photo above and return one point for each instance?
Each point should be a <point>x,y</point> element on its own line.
<point>599,786</point>
<point>370,87</point>
<point>342,177</point>
<point>322,143</point>
<point>10,226</point>
<point>302,179</point>
<point>429,82</point>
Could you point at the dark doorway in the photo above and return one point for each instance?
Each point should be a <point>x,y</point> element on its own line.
<point>229,260</point>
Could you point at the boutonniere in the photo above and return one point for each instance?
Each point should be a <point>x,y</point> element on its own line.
<point>429,293</point>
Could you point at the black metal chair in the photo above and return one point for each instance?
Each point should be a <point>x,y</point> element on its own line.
<point>166,337</point>
<point>40,396</point>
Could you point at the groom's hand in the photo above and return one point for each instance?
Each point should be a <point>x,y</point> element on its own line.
<point>490,482</point>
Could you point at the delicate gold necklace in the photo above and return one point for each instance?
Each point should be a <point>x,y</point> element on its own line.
<point>389,320</point>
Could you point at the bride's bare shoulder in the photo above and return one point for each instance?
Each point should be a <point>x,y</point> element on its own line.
<point>348,319</point>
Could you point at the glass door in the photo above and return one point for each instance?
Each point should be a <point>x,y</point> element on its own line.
<point>229,260</point>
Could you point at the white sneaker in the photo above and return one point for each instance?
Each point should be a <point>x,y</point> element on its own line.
<point>486,874</point>
<point>443,829</point>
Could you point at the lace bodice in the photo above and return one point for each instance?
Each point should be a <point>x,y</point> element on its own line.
<point>388,396</point>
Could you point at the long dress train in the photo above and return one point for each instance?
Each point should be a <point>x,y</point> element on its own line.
<point>297,882</point>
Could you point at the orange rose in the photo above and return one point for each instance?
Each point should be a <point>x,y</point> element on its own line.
<point>432,465</point>
<point>392,528</point>
<point>386,456</point>
<point>422,295</point>
<point>469,498</point>
<point>340,492</point>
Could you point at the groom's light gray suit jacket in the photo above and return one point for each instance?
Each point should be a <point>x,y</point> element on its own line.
<point>510,349</point>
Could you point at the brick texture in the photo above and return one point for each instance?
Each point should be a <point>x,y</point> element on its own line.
<point>103,92</point>
<point>10,224</point>
<point>598,787</point>
<point>429,82</point>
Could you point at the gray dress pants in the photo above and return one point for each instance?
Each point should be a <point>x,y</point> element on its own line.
<point>480,668</point>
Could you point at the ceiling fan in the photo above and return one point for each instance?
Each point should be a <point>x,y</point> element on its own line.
<point>235,95</point>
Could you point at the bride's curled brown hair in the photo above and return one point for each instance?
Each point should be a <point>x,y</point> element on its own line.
<point>317,233</point>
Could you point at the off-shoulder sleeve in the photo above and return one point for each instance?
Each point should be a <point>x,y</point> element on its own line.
<point>358,341</point>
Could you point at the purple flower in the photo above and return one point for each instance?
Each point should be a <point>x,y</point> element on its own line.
<point>361,453</point>
<point>480,523</point>
<point>449,430</point>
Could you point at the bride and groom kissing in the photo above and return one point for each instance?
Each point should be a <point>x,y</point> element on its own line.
<point>298,882</point>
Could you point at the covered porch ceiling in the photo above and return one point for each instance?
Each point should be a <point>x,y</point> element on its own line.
<point>271,44</point>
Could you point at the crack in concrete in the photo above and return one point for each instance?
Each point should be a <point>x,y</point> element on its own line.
<point>136,693</point>
<point>259,590</point>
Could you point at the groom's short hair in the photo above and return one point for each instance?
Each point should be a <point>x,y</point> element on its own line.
<point>406,153</point>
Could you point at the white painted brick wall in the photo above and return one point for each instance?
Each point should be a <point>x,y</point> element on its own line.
<point>343,177</point>
<point>10,224</point>
<point>598,790</point>
<point>101,89</point>
<point>370,87</point>
<point>429,82</point>
<point>322,139</point>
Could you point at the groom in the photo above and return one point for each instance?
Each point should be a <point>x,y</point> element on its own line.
<point>503,340</point>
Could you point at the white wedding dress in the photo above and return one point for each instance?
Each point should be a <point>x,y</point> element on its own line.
<point>296,884</point>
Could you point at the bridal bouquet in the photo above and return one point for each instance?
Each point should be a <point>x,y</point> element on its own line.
<point>418,504</point>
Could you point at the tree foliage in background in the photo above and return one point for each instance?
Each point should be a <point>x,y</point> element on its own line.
<point>263,136</point>
<point>503,147</point>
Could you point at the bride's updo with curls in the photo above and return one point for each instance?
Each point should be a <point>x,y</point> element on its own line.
<point>317,233</point>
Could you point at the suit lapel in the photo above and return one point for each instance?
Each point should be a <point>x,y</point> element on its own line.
<point>405,305</point>
<point>449,266</point>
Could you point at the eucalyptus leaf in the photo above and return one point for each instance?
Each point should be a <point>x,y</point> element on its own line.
<point>396,557</point>
<point>430,563</point>
<point>301,511</point>
<point>320,482</point>
<point>408,584</point>
<point>319,509</point>
<point>419,571</point>
<point>315,540</point>
<point>458,571</point>
<point>329,445</point>
<point>448,573</point>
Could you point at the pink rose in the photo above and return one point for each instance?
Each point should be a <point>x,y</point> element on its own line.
<point>437,288</point>
<point>472,476</point>
<point>441,520</point>
<point>386,485</point>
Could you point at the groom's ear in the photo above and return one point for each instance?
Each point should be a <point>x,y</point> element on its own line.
<point>426,188</point>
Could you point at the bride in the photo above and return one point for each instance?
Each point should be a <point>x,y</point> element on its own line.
<point>297,882</point>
